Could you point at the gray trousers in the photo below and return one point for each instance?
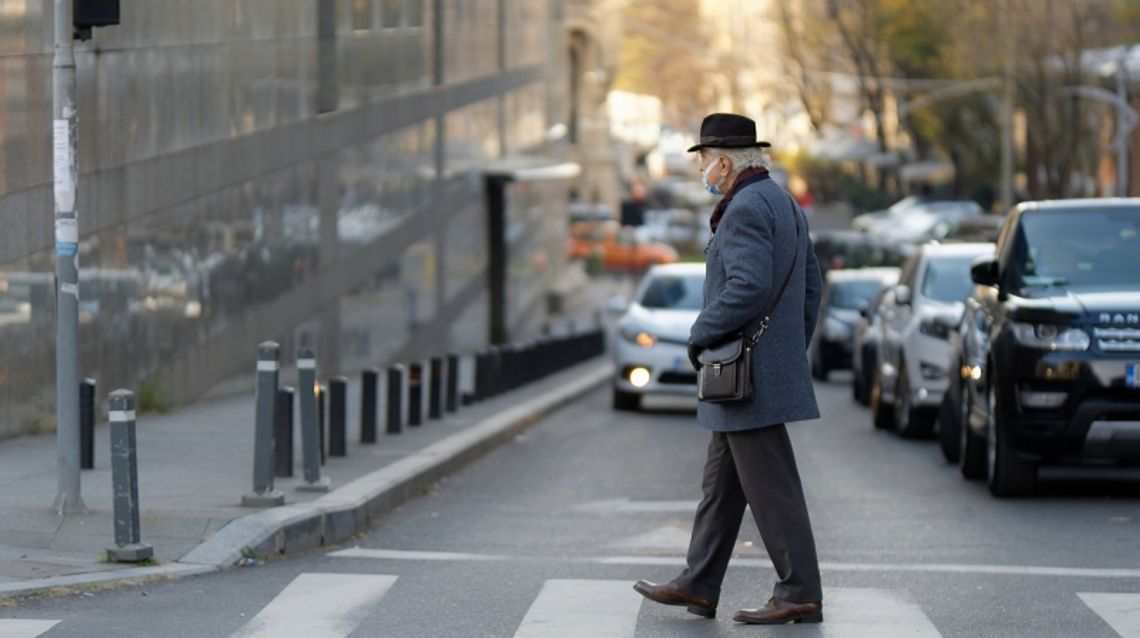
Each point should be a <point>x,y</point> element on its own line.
<point>755,468</point>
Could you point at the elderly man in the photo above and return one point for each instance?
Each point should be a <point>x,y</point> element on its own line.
<point>759,260</point>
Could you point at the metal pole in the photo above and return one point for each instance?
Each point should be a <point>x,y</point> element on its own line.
<point>1122,173</point>
<point>125,481</point>
<point>369,392</point>
<point>283,433</point>
<point>311,457</point>
<point>395,421</point>
<point>415,394</point>
<point>66,176</point>
<point>435,388</point>
<point>452,382</point>
<point>1007,114</point>
<point>338,416</point>
<point>87,424</point>
<point>263,494</point>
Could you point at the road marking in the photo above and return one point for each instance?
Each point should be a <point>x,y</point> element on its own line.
<point>20,628</point>
<point>623,505</point>
<point>873,613</point>
<point>326,605</point>
<point>576,608</point>
<point>679,561</point>
<point>1120,611</point>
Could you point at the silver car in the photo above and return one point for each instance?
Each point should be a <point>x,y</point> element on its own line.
<point>651,339</point>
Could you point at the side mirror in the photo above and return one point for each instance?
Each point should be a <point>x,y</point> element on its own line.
<point>984,271</point>
<point>902,295</point>
<point>617,305</point>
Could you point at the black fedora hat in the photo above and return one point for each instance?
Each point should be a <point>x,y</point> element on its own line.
<point>728,130</point>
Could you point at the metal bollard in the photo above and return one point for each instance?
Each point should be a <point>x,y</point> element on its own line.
<point>322,411</point>
<point>415,394</point>
<point>129,547</point>
<point>87,424</point>
<point>395,423</point>
<point>310,437</point>
<point>435,388</point>
<point>369,394</point>
<point>452,382</point>
<point>283,432</point>
<point>338,416</point>
<point>263,494</point>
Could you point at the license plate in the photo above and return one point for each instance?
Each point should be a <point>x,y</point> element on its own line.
<point>1131,376</point>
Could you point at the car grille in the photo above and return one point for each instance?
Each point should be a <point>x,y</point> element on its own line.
<point>678,378</point>
<point>1117,339</point>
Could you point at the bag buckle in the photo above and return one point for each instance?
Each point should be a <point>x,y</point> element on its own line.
<point>716,369</point>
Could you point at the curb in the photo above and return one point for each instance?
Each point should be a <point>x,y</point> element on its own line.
<point>352,508</point>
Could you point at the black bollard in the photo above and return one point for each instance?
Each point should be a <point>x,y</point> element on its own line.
<point>338,409</point>
<point>395,404</point>
<point>435,389</point>
<point>283,432</point>
<point>129,547</point>
<point>415,394</point>
<point>310,436</point>
<point>87,424</point>
<point>452,382</point>
<point>322,400</point>
<point>263,494</point>
<point>369,390</point>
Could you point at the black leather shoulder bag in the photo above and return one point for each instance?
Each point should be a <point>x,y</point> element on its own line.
<point>726,369</point>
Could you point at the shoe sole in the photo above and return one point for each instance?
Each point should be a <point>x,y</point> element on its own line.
<point>805,619</point>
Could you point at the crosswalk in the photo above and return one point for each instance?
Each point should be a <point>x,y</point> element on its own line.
<point>335,605</point>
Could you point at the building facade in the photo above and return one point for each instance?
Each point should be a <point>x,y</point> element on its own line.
<point>305,171</point>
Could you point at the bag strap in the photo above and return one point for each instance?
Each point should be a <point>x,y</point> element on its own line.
<point>795,261</point>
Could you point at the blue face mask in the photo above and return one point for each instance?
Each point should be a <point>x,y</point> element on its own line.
<point>712,188</point>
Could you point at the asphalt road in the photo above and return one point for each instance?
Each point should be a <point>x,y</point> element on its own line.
<point>544,537</point>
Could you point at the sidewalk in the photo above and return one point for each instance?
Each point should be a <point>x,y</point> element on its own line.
<point>195,465</point>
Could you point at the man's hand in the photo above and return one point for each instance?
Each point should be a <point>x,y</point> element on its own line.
<point>694,352</point>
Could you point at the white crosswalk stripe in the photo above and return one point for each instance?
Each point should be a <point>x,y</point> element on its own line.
<point>20,628</point>
<point>576,608</point>
<point>326,605</point>
<point>1120,611</point>
<point>872,613</point>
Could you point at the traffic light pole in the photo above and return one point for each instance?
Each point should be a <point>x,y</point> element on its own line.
<point>65,177</point>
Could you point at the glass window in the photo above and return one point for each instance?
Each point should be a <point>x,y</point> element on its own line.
<point>362,15</point>
<point>414,13</point>
<point>674,292</point>
<point>853,295</point>
<point>1087,248</point>
<point>391,13</point>
<point>948,278</point>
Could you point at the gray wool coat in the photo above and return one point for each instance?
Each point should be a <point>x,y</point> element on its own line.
<point>748,258</point>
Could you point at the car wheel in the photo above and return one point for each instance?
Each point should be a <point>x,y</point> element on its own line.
<point>1007,473</point>
<point>971,447</point>
<point>863,378</point>
<point>948,423</point>
<point>910,422</point>
<point>882,413</point>
<point>626,401</point>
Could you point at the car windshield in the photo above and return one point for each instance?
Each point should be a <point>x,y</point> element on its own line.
<point>947,278</point>
<point>853,295</point>
<point>1078,249</point>
<point>673,292</point>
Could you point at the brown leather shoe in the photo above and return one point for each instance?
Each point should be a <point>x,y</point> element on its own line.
<point>779,612</point>
<point>672,594</point>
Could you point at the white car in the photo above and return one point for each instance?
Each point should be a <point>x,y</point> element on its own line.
<point>916,319</point>
<point>651,341</point>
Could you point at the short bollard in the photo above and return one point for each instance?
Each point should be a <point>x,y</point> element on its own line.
<point>435,388</point>
<point>322,423</point>
<point>395,403</point>
<point>369,393</point>
<point>338,416</point>
<point>263,494</point>
<point>87,424</point>
<point>129,547</point>
<point>283,433</point>
<point>415,394</point>
<point>310,438</point>
<point>452,382</point>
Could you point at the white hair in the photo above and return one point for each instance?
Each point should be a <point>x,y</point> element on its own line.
<point>746,158</point>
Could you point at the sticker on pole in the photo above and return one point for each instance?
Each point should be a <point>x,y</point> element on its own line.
<point>66,237</point>
<point>62,156</point>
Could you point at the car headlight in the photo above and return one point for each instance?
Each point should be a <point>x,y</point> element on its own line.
<point>1047,336</point>
<point>836,330</point>
<point>934,328</point>
<point>640,337</point>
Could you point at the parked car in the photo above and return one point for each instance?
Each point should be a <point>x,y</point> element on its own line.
<point>651,342</point>
<point>917,317</point>
<point>1060,305</point>
<point>868,221</point>
<point>983,228</point>
<point>619,246</point>
<point>846,293</point>
<point>927,222</point>
<point>865,343</point>
<point>837,249</point>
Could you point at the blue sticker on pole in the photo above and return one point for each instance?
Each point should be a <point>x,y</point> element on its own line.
<point>1130,376</point>
<point>66,237</point>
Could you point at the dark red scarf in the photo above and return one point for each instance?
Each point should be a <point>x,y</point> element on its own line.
<point>749,176</point>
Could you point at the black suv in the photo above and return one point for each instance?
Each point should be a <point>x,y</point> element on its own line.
<point>1060,306</point>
